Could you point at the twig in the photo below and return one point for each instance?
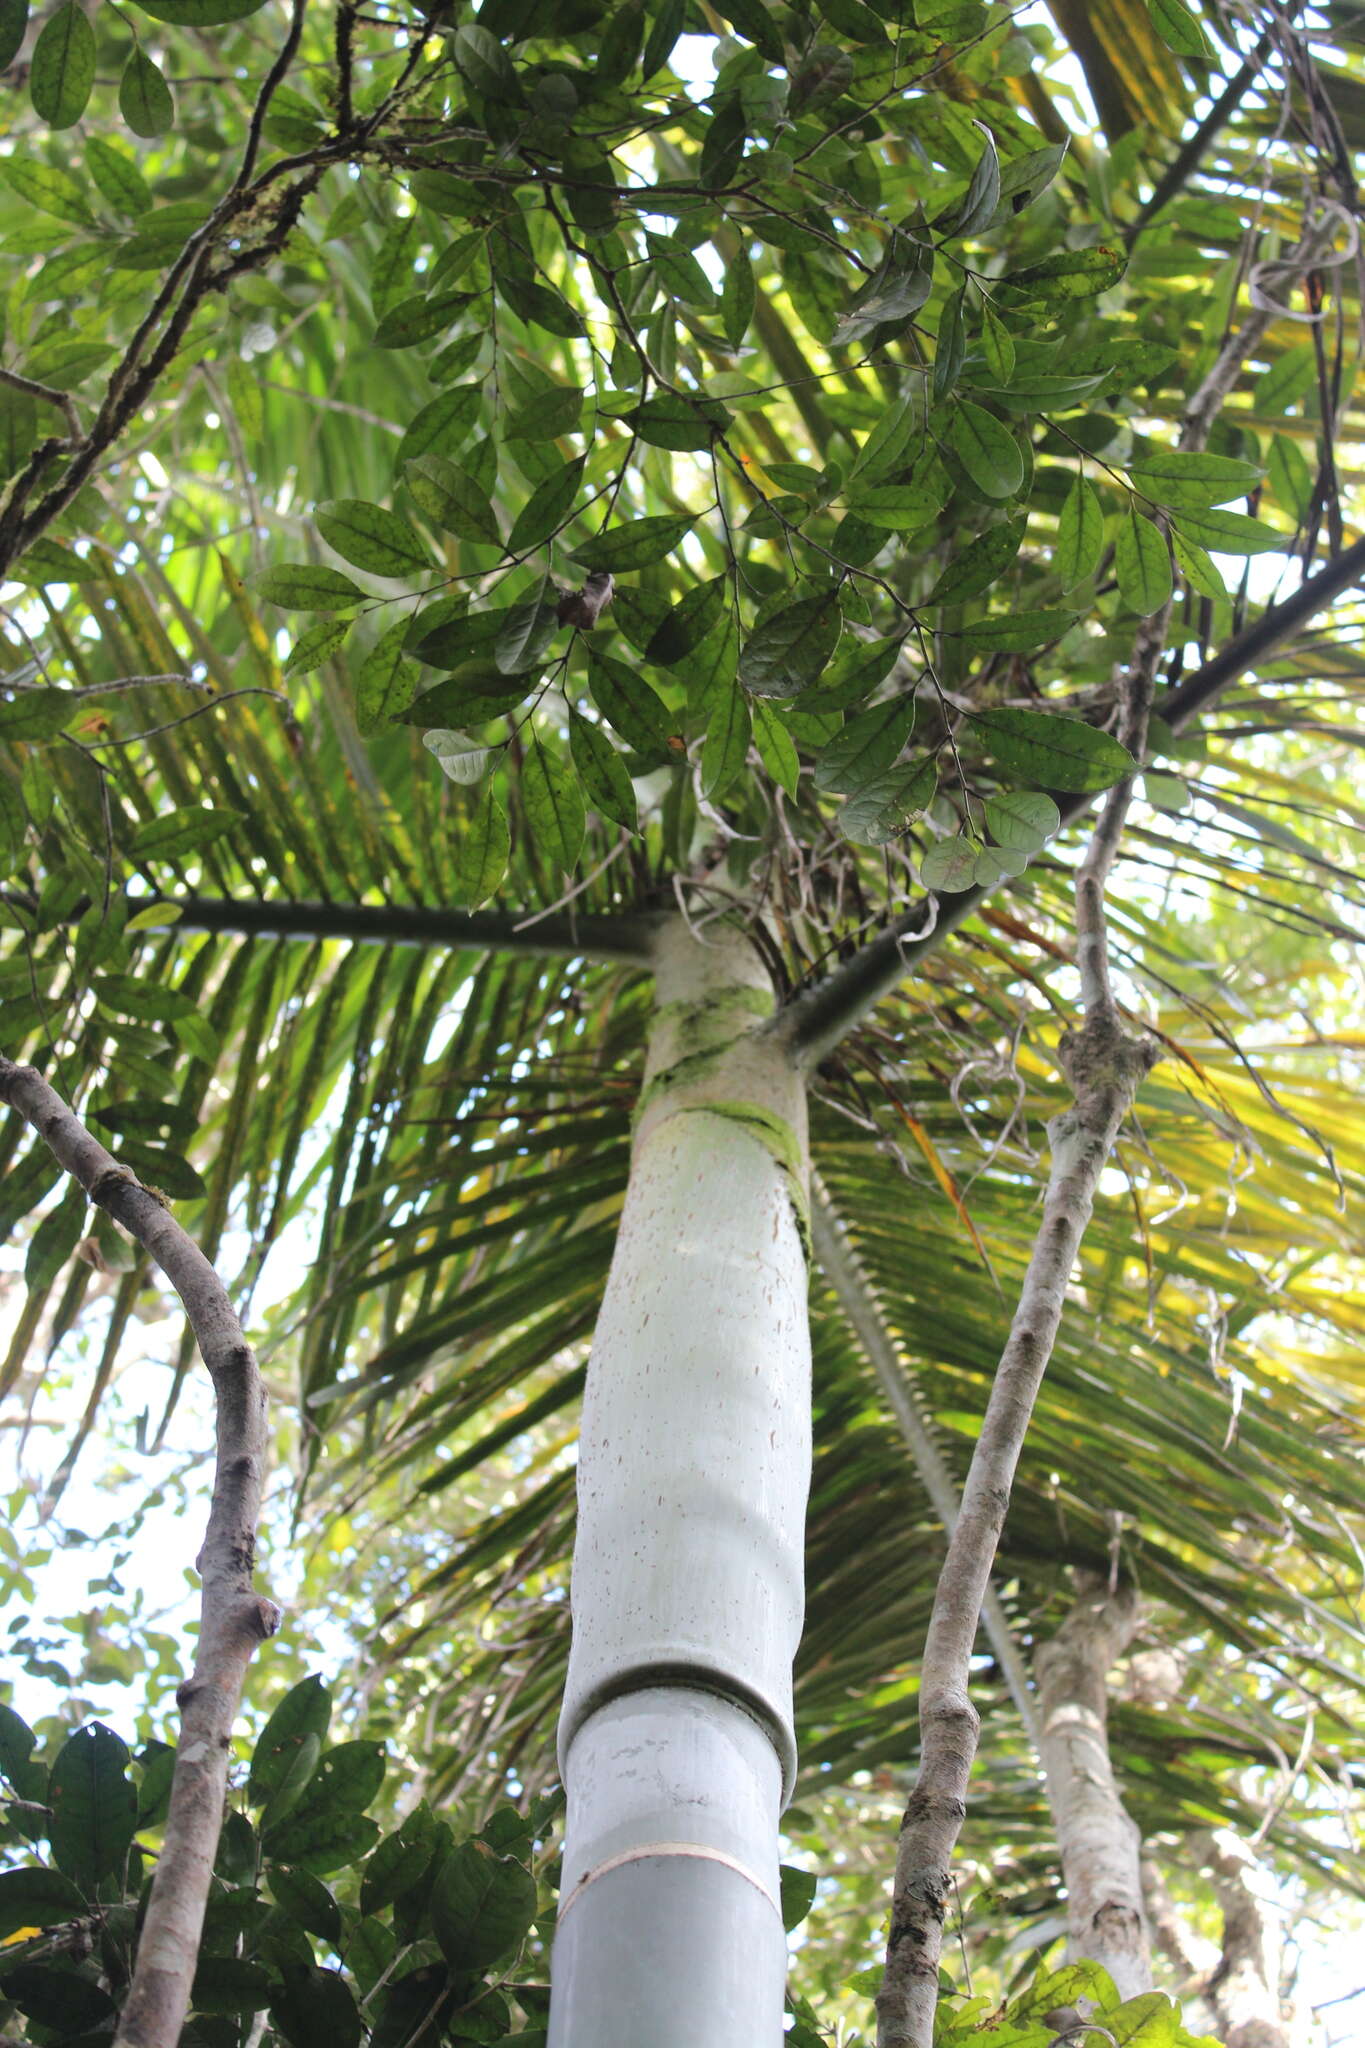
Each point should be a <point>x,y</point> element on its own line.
<point>233,1618</point>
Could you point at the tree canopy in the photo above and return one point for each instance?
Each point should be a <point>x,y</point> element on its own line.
<point>476,483</point>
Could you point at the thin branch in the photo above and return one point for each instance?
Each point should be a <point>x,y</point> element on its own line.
<point>844,1271</point>
<point>1177,173</point>
<point>233,1618</point>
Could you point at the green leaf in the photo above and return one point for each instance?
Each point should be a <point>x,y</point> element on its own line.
<point>473,697</point>
<point>305,1710</point>
<point>36,1898</point>
<point>983,194</point>
<point>679,424</point>
<point>321,1839</point>
<point>482,851</point>
<point>950,864</point>
<point>481,1906</point>
<point>632,708</point>
<point>1174,476</point>
<point>555,818</point>
<point>37,714</point>
<point>316,646</point>
<point>1070,274</point>
<point>144,97</point>
<point>738,297</point>
<point>94,1806</point>
<point>350,1775</point>
<point>998,344</point>
<point>979,564</point>
<point>118,177</point>
<point>129,996</point>
<point>186,830</point>
<point>547,415</point>
<point>227,1984</point>
<point>725,748</point>
<point>798,1894</point>
<point>447,494</point>
<point>313,2008</point>
<point>986,449</point>
<point>369,537</point>
<point>13,27</point>
<point>484,64</point>
<point>867,747</point>
<point>463,759</point>
<point>401,1860</point>
<point>1047,751</point>
<point>443,426</point>
<point>200,13</point>
<point>1179,30</point>
<point>63,66</point>
<point>683,629</point>
<point>1291,476</point>
<point>419,318</point>
<point>1229,533</point>
<point>1080,534</point>
<point>635,544</point>
<point>775,746</point>
<point>1198,567</point>
<point>51,190</point>
<point>308,587</point>
<point>883,809</point>
<point>903,507</point>
<point>298,1775</point>
<point>13,827</point>
<point>1024,818</point>
<point>527,628</point>
<point>792,648</point>
<point>1142,560</point>
<point>1017,632</point>
<point>605,781</point>
<point>385,683</point>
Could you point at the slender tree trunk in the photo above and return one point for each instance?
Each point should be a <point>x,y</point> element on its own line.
<point>676,1739</point>
<point>1099,1844</point>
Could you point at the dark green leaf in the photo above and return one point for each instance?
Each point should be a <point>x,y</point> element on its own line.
<point>306,1899</point>
<point>385,683</point>
<point>987,450</point>
<point>606,783</point>
<point>227,1984</point>
<point>36,1898</point>
<point>798,1894</point>
<point>63,66</point>
<point>61,2000</point>
<point>685,627</point>
<point>419,318</point>
<point>321,1840</point>
<point>51,190</point>
<point>883,808</point>
<point>725,748</point>
<point>636,544</point>
<point>678,423</point>
<point>200,13</point>
<point>444,425</point>
<point>867,747</point>
<point>37,714</point>
<point>118,177</point>
<point>481,853</point>
<point>401,1860</point>
<point>13,24</point>
<point>554,807</point>
<point>983,194</point>
<point>314,2008</point>
<point>484,64</point>
<point>144,97</point>
<point>481,1906</point>
<point>1022,818</point>
<point>94,1806</point>
<point>738,297</point>
<point>306,1709</point>
<point>633,709</point>
<point>790,650</point>
<point>979,564</point>
<point>1047,751</point>
<point>308,587</point>
<point>444,491</point>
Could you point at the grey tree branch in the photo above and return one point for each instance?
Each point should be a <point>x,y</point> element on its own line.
<point>1244,1988</point>
<point>233,1618</point>
<point>844,1271</point>
<point>1099,1844</point>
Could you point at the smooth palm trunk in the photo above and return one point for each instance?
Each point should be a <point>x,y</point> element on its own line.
<point>676,1738</point>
